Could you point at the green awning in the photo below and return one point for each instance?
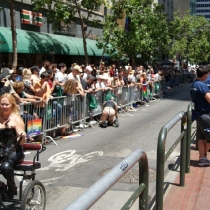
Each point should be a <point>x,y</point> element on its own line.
<point>42,43</point>
<point>39,43</point>
<point>92,44</point>
<point>79,44</point>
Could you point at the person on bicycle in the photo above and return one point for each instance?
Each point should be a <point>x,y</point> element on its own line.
<point>109,112</point>
<point>12,137</point>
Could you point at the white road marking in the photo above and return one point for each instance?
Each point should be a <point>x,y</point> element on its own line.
<point>59,160</point>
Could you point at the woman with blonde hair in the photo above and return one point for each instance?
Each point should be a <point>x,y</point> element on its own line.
<point>12,132</point>
<point>28,86</point>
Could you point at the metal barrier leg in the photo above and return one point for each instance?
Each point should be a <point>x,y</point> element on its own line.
<point>51,139</point>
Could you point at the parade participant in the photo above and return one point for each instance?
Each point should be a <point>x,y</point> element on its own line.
<point>108,113</point>
<point>200,96</point>
<point>11,125</point>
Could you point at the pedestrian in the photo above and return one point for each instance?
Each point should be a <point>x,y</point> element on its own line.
<point>200,95</point>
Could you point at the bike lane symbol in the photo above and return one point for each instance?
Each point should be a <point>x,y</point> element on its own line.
<point>67,159</point>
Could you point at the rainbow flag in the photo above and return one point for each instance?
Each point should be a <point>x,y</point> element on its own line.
<point>72,136</point>
<point>144,91</point>
<point>34,127</point>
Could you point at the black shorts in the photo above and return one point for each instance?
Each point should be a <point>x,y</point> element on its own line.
<point>203,127</point>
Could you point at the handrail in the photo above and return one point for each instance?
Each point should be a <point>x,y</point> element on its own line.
<point>162,157</point>
<point>189,130</point>
<point>98,189</point>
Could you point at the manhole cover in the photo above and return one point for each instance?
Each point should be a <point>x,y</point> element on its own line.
<point>132,175</point>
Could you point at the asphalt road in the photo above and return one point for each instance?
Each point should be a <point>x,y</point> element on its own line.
<point>72,166</point>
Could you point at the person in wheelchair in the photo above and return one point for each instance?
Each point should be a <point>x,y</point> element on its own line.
<point>110,111</point>
<point>12,137</point>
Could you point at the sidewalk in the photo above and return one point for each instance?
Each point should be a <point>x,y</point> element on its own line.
<point>195,195</point>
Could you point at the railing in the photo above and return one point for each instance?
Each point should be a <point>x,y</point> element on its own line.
<point>66,111</point>
<point>162,157</point>
<point>97,190</point>
<point>189,131</point>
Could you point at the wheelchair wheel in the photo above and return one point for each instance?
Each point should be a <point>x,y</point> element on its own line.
<point>34,196</point>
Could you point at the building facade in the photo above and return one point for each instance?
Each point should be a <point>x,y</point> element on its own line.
<point>168,6</point>
<point>203,8</point>
<point>193,7</point>
<point>38,40</point>
<point>183,6</point>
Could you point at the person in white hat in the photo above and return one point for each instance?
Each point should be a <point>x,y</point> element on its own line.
<point>87,71</point>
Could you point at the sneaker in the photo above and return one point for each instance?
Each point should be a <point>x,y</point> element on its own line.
<point>204,162</point>
<point>92,122</point>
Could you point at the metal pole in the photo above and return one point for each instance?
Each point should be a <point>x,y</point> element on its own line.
<point>160,168</point>
<point>183,150</point>
<point>189,130</point>
<point>98,189</point>
<point>144,178</point>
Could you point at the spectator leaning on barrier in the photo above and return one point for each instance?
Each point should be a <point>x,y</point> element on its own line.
<point>35,74</point>
<point>45,67</point>
<point>5,85</point>
<point>200,96</point>
<point>42,88</point>
<point>87,71</point>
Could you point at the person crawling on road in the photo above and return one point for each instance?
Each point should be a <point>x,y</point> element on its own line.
<point>109,112</point>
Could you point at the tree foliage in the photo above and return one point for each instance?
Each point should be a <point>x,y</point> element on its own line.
<point>146,34</point>
<point>66,10</point>
<point>190,37</point>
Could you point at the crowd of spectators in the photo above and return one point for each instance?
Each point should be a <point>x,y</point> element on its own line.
<point>40,84</point>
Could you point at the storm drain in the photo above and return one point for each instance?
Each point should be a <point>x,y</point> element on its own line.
<point>132,175</point>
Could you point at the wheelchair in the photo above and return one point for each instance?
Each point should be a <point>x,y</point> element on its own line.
<point>33,196</point>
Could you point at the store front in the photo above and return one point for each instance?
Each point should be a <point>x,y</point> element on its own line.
<point>34,47</point>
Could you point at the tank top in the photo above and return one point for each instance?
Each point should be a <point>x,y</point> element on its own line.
<point>7,140</point>
<point>109,104</point>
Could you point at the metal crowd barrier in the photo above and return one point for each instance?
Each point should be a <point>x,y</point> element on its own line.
<point>32,115</point>
<point>162,157</point>
<point>66,111</point>
<point>97,190</point>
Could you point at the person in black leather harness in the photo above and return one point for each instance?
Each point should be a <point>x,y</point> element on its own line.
<point>200,95</point>
<point>108,113</point>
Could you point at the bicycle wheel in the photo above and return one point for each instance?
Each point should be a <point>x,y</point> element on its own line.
<point>34,196</point>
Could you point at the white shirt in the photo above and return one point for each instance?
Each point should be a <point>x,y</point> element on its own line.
<point>61,77</point>
<point>41,71</point>
<point>157,77</point>
<point>71,76</point>
<point>100,85</point>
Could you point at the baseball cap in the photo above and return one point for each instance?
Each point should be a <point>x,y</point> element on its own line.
<point>35,68</point>
<point>89,68</point>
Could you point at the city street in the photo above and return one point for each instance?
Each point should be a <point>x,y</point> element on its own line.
<point>72,166</point>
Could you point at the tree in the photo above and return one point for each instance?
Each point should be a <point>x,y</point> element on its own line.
<point>145,33</point>
<point>14,37</point>
<point>190,38</point>
<point>65,11</point>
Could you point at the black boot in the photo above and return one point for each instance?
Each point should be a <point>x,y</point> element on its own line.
<point>116,123</point>
<point>8,173</point>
